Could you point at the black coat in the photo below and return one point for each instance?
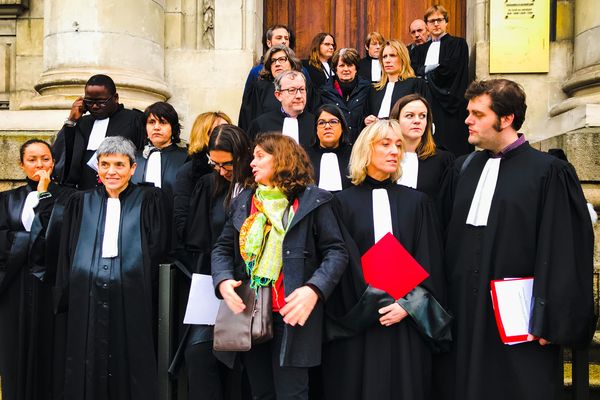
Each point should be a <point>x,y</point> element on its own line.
<point>364,68</point>
<point>318,77</point>
<point>354,107</point>
<point>273,122</point>
<point>447,84</point>
<point>111,311</point>
<point>313,253</point>
<point>343,151</point>
<point>27,271</point>
<point>70,148</point>
<point>401,89</point>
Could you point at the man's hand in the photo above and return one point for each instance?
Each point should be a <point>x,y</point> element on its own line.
<point>77,109</point>
<point>299,305</point>
<point>531,338</point>
<point>392,314</point>
<point>233,301</point>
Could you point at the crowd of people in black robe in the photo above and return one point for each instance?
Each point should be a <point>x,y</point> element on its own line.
<point>331,155</point>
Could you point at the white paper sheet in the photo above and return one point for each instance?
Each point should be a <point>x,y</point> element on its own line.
<point>514,305</point>
<point>202,304</point>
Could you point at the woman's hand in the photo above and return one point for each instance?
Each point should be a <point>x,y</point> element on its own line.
<point>370,119</point>
<point>392,314</point>
<point>299,305</point>
<point>44,181</point>
<point>233,301</point>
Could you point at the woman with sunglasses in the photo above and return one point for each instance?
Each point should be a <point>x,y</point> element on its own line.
<point>281,234</point>
<point>261,99</point>
<point>423,164</point>
<point>229,157</point>
<point>330,150</point>
<point>30,218</point>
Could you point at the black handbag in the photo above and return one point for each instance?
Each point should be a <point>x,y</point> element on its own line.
<point>254,325</point>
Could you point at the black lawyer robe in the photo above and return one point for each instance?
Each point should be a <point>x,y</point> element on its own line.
<point>401,89</point>
<point>318,77</point>
<point>365,66</point>
<point>447,84</point>
<point>538,226</point>
<point>70,148</point>
<point>342,152</point>
<point>273,122</point>
<point>386,362</point>
<point>27,270</point>
<point>111,303</point>
<point>432,171</point>
<point>172,159</point>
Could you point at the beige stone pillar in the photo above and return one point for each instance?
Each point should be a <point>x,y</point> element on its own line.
<point>123,39</point>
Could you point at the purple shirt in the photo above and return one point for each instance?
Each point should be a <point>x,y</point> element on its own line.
<point>520,140</point>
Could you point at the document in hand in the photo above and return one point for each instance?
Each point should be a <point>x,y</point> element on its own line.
<point>511,299</point>
<point>389,267</point>
<point>202,303</point>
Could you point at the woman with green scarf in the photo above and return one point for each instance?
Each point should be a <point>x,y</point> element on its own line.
<point>282,234</point>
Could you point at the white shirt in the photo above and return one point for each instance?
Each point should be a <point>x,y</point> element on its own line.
<point>375,70</point>
<point>386,103</point>
<point>329,173</point>
<point>484,194</point>
<point>382,214</point>
<point>290,128</point>
<point>110,241</point>
<point>28,213</point>
<point>410,170</point>
<point>98,133</point>
<point>154,168</point>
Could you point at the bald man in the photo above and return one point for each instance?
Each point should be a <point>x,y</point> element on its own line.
<point>418,32</point>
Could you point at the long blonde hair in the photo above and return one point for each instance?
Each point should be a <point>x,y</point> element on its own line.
<point>202,128</point>
<point>362,150</point>
<point>406,70</point>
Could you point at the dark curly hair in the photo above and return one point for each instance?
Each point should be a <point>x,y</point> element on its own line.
<point>293,171</point>
<point>165,112</point>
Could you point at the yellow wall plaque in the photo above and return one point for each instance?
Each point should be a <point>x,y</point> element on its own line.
<point>519,36</point>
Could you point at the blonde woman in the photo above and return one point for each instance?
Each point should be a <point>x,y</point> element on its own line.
<point>397,80</point>
<point>387,356</point>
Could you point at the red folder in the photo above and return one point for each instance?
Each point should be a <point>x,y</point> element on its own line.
<point>389,267</point>
<point>498,312</point>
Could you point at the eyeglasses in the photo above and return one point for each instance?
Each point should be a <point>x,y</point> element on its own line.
<point>227,165</point>
<point>279,60</point>
<point>436,21</point>
<point>100,103</point>
<point>292,91</point>
<point>332,123</point>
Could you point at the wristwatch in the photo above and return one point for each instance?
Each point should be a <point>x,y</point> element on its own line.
<point>70,123</point>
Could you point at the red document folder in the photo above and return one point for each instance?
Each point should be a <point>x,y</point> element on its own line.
<point>389,267</point>
<point>511,299</point>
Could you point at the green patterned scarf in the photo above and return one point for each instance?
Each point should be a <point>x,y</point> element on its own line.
<point>261,236</point>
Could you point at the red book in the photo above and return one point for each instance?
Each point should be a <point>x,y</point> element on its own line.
<point>389,267</point>
<point>511,300</point>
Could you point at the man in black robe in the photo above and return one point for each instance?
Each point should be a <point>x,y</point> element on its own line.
<point>418,33</point>
<point>112,240</point>
<point>81,134</point>
<point>443,62</point>
<point>511,212</point>
<point>291,120</point>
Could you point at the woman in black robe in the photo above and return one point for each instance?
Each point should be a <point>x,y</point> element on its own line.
<point>112,241</point>
<point>30,216</point>
<point>397,80</point>
<point>347,90</point>
<point>387,357</point>
<point>369,67</point>
<point>330,150</point>
<point>423,164</point>
<point>229,156</point>
<point>318,64</point>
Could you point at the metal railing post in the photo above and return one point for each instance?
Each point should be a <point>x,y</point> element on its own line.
<point>165,329</point>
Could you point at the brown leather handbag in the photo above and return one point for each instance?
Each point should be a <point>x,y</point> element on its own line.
<point>254,325</point>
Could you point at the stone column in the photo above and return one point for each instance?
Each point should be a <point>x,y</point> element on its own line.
<point>123,39</point>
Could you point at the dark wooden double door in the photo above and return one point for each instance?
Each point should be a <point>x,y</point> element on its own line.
<point>350,21</point>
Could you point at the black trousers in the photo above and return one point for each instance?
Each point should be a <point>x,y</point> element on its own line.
<point>208,378</point>
<point>269,380</point>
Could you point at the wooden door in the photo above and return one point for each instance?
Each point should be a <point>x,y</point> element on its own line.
<point>350,21</point>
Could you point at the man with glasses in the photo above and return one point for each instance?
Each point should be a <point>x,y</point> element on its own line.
<point>291,120</point>
<point>80,136</point>
<point>443,62</point>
